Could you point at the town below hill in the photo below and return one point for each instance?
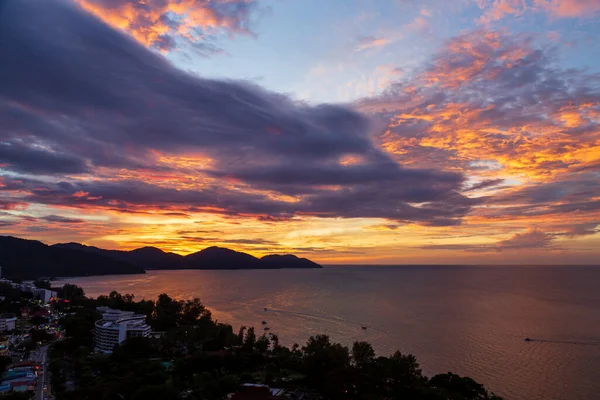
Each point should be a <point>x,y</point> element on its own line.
<point>31,259</point>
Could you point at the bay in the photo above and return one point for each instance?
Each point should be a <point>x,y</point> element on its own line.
<point>468,320</point>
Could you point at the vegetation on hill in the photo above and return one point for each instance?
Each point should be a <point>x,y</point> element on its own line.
<point>30,259</point>
<point>209,258</point>
<point>199,358</point>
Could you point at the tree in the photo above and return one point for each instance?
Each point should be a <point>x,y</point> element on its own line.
<point>262,344</point>
<point>275,342</point>
<point>39,335</point>
<point>5,361</point>
<point>38,320</point>
<point>458,387</point>
<point>250,339</point>
<point>241,333</point>
<point>161,392</point>
<point>326,364</point>
<point>73,293</point>
<point>166,313</point>
<point>362,353</point>
<point>42,284</point>
<point>405,375</point>
<point>192,311</point>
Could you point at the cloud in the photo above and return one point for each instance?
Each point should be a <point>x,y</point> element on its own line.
<point>369,42</point>
<point>584,229</point>
<point>250,242</point>
<point>474,248</point>
<point>497,9</point>
<point>11,205</point>
<point>569,8</point>
<point>497,107</point>
<point>21,157</point>
<point>531,239</point>
<point>157,137</point>
<point>488,183</point>
<point>62,220</point>
<point>162,24</point>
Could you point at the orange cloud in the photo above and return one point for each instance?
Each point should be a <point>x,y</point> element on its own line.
<point>493,107</point>
<point>369,42</point>
<point>160,24</point>
<point>569,8</point>
<point>497,9</point>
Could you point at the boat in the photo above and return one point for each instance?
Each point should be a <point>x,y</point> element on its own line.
<point>364,328</point>
<point>264,322</point>
<point>267,328</point>
<point>527,339</point>
<point>266,309</point>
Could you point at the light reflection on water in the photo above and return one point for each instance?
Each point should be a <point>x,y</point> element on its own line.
<point>470,320</point>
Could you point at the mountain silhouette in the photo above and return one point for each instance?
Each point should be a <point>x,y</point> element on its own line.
<point>30,259</point>
<point>210,258</point>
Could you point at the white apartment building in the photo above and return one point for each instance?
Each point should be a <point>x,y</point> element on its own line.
<point>44,294</point>
<point>7,323</point>
<point>116,326</point>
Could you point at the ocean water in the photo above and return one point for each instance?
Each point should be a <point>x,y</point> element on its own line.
<point>469,320</point>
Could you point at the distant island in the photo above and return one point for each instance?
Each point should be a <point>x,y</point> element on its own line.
<point>31,259</point>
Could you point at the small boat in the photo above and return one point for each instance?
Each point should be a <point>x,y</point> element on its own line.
<point>266,309</point>
<point>267,328</point>
<point>528,340</point>
<point>264,322</point>
<point>364,328</point>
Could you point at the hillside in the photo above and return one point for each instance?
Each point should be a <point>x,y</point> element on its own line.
<point>210,258</point>
<point>30,259</point>
<point>144,257</point>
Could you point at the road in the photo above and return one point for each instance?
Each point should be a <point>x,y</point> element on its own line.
<point>40,358</point>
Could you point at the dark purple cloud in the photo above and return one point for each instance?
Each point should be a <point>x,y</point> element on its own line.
<point>23,158</point>
<point>62,220</point>
<point>530,239</point>
<point>77,95</point>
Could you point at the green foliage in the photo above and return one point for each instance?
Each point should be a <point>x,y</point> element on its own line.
<point>362,353</point>
<point>73,293</point>
<point>38,320</point>
<point>42,284</point>
<point>463,388</point>
<point>40,335</point>
<point>155,392</point>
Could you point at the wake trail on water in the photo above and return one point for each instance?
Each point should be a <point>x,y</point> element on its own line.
<point>323,317</point>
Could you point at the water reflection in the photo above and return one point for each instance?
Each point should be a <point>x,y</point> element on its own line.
<point>469,320</point>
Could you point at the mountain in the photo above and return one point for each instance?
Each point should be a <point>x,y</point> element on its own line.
<point>210,258</point>
<point>144,257</point>
<point>220,258</point>
<point>30,259</point>
<point>284,261</point>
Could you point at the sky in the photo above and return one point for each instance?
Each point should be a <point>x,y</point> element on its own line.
<point>346,131</point>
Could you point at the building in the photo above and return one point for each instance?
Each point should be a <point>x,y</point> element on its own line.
<point>19,378</point>
<point>116,326</point>
<point>254,391</point>
<point>25,287</point>
<point>7,323</point>
<point>44,294</point>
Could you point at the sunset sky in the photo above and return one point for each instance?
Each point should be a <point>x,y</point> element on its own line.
<point>346,131</point>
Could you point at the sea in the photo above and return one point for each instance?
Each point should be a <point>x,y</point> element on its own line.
<point>471,320</point>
